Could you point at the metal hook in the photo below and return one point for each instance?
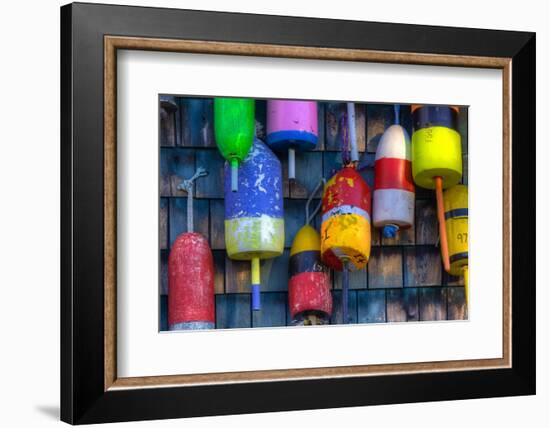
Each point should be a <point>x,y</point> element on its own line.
<point>308,217</point>
<point>187,185</point>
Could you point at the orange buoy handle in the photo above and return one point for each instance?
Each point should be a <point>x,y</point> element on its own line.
<point>441,219</point>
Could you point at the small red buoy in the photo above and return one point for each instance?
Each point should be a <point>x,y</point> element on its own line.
<point>191,275</point>
<point>309,298</point>
<point>190,283</point>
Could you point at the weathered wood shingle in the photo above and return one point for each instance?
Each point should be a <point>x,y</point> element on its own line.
<point>273,313</point>
<point>337,307</point>
<point>211,185</point>
<point>309,171</point>
<point>358,279</point>
<point>426,225</point>
<point>233,311</point>
<point>456,304</point>
<point>197,122</point>
<point>163,223</point>
<point>168,120</point>
<point>336,125</point>
<point>386,267</point>
<point>217,225</point>
<point>402,305</point>
<point>422,266</point>
<point>176,165</point>
<point>371,306</point>
<point>432,304</point>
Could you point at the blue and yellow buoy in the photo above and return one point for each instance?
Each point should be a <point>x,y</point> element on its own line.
<point>254,217</point>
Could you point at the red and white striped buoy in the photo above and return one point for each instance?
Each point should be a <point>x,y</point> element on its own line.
<point>393,197</point>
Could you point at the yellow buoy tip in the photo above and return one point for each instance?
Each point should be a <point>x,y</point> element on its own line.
<point>307,239</point>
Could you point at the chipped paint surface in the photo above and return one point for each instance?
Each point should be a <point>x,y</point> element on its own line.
<point>393,206</point>
<point>254,223</point>
<point>292,124</point>
<point>260,186</point>
<point>345,228</point>
<point>346,237</point>
<point>456,223</point>
<point>309,283</point>
<point>393,197</point>
<point>309,291</point>
<point>350,181</point>
<point>262,235</point>
<point>190,283</point>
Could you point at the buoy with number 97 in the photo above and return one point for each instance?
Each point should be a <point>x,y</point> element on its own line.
<point>456,224</point>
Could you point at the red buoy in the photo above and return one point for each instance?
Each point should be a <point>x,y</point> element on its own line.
<point>191,275</point>
<point>190,283</point>
<point>309,298</point>
<point>345,227</point>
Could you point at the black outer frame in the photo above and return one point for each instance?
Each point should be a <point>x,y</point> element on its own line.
<point>83,399</point>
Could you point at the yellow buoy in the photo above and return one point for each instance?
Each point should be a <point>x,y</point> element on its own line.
<point>456,225</point>
<point>436,147</point>
<point>436,156</point>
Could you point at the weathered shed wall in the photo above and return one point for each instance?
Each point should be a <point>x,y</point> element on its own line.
<point>404,280</point>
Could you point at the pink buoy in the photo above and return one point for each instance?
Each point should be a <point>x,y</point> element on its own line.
<point>292,125</point>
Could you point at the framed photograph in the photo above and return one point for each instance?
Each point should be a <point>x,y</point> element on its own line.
<point>257,207</point>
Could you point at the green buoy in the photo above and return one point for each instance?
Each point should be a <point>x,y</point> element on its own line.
<point>234,127</point>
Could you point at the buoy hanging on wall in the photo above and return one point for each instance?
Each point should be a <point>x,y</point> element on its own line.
<point>309,298</point>
<point>393,196</point>
<point>345,227</point>
<point>254,218</point>
<point>436,157</point>
<point>456,224</point>
<point>292,126</point>
<point>234,127</point>
<point>190,275</point>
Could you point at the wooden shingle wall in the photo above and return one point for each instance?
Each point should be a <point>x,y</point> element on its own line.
<point>404,280</point>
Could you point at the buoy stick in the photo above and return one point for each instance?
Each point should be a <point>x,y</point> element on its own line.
<point>190,227</point>
<point>396,108</point>
<point>441,219</point>
<point>465,271</point>
<point>311,196</point>
<point>234,175</point>
<point>352,132</point>
<point>291,164</point>
<point>345,292</point>
<point>256,284</point>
